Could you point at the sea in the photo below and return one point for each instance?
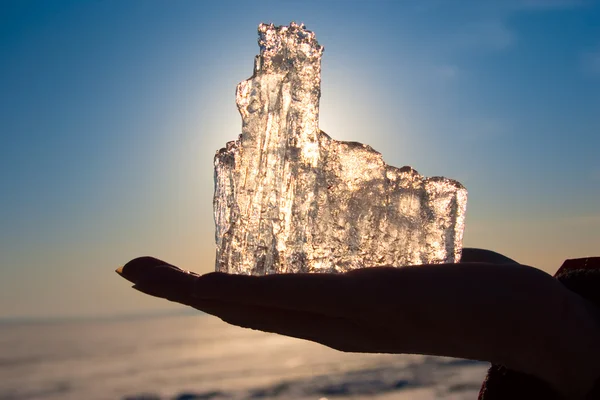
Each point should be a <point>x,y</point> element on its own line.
<point>197,356</point>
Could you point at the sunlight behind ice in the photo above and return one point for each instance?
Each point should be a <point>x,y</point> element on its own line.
<point>289,198</point>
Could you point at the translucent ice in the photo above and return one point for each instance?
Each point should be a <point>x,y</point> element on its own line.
<point>288,198</point>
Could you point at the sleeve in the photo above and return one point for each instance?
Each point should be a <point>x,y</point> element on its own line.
<point>582,276</point>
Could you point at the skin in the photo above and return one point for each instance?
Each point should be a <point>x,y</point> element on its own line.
<point>488,308</point>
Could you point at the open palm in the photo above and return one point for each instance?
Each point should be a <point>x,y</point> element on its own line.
<point>488,307</point>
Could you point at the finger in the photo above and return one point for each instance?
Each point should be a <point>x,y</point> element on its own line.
<point>431,287</point>
<point>142,266</point>
<point>321,294</point>
<point>160,279</point>
<point>326,294</point>
<point>337,333</point>
<point>315,293</point>
<point>484,256</point>
<point>157,278</point>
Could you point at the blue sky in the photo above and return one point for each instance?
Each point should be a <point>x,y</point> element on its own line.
<point>111,111</point>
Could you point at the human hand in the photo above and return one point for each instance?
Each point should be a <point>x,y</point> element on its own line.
<point>508,314</point>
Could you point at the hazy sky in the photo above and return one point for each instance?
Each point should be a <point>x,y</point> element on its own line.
<point>111,111</point>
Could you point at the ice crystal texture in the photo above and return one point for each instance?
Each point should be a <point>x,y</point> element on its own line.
<point>288,198</point>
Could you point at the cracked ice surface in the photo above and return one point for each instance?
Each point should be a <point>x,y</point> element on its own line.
<point>288,198</point>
